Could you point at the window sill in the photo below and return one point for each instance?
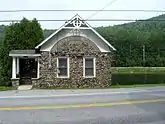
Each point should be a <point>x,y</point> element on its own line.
<point>89,77</point>
<point>35,78</point>
<point>62,77</point>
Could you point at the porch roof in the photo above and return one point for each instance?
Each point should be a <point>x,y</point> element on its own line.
<point>23,53</point>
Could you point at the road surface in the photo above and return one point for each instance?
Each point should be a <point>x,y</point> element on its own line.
<point>101,106</point>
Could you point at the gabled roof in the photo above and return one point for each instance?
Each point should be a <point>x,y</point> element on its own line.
<point>76,23</point>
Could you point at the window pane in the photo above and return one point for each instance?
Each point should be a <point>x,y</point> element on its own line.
<point>89,63</point>
<point>62,62</point>
<point>62,72</point>
<point>62,67</point>
<point>89,72</point>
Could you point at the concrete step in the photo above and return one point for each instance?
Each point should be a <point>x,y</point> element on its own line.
<point>25,87</point>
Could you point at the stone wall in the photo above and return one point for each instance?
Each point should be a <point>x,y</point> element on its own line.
<point>75,48</point>
<point>15,82</point>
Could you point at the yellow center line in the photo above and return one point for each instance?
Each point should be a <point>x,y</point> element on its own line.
<point>82,105</point>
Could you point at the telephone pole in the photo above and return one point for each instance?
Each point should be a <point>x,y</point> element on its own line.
<point>144,55</point>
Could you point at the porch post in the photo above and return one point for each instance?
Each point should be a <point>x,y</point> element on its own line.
<point>17,65</point>
<point>14,68</point>
<point>38,69</point>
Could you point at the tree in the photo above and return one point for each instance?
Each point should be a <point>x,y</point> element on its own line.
<point>140,43</point>
<point>24,35</point>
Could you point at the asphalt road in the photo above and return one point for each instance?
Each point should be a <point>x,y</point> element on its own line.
<point>109,106</point>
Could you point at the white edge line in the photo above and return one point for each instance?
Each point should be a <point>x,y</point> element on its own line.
<point>83,94</point>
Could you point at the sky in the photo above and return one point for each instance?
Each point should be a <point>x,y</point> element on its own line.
<point>79,4</point>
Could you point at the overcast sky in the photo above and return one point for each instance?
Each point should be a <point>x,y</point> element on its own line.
<point>79,4</point>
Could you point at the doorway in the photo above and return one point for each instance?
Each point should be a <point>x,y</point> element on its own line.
<point>28,70</point>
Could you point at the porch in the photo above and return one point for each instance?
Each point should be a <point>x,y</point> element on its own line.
<point>25,67</point>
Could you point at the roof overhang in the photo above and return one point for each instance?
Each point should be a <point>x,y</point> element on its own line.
<point>23,53</point>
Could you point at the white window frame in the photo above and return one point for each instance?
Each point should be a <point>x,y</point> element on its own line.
<point>68,75</point>
<point>94,67</point>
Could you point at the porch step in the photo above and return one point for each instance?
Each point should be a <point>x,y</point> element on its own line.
<point>25,87</point>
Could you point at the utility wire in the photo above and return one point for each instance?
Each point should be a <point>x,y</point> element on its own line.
<point>79,10</point>
<point>108,4</point>
<point>58,20</point>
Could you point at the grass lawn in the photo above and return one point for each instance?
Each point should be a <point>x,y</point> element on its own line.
<point>136,85</point>
<point>138,70</point>
<point>4,88</point>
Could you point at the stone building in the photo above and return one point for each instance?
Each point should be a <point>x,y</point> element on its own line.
<point>74,56</point>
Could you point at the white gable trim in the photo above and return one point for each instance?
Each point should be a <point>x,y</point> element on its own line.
<point>103,39</point>
<point>63,27</point>
<point>49,37</point>
<point>98,35</point>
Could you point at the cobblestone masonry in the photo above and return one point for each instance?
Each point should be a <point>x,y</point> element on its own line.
<point>15,82</point>
<point>74,47</point>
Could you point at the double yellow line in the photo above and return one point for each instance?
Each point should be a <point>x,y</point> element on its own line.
<point>82,105</point>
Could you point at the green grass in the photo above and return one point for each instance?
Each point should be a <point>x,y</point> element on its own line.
<point>136,85</point>
<point>138,70</point>
<point>4,88</point>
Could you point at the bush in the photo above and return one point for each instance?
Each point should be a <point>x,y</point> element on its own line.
<point>131,79</point>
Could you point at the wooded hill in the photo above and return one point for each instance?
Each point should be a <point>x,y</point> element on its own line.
<point>140,43</point>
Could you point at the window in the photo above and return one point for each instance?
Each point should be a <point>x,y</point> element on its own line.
<point>63,67</point>
<point>89,67</point>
